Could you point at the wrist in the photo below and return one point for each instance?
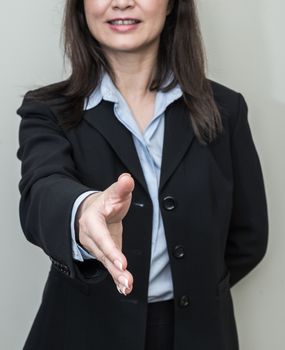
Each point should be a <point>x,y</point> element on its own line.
<point>81,209</point>
<point>86,204</point>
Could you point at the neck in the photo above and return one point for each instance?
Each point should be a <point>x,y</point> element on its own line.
<point>134,71</point>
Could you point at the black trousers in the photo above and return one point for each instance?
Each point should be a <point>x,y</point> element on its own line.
<point>160,325</point>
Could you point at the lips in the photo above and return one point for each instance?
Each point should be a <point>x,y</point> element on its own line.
<point>135,20</point>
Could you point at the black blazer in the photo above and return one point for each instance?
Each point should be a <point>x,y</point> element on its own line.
<point>213,205</point>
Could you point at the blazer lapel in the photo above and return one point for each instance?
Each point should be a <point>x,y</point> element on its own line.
<point>120,139</point>
<point>178,137</point>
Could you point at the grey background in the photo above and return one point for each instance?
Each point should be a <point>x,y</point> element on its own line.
<point>245,45</point>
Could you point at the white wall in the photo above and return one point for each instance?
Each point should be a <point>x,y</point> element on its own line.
<point>30,56</point>
<point>245,44</point>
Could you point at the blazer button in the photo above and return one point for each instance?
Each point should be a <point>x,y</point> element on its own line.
<point>168,203</point>
<point>184,301</point>
<point>178,252</point>
<point>65,269</point>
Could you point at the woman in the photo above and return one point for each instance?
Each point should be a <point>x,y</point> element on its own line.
<point>141,182</point>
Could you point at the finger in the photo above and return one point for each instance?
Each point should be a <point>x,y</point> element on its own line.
<point>91,247</point>
<point>104,242</point>
<point>116,232</point>
<point>122,279</point>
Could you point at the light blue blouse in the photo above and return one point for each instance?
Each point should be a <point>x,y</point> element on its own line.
<point>149,149</point>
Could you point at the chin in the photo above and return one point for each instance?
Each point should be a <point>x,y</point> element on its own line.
<point>124,48</point>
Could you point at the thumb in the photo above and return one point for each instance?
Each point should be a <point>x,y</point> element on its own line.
<point>121,190</point>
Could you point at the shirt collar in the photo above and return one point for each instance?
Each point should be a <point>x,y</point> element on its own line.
<point>108,91</point>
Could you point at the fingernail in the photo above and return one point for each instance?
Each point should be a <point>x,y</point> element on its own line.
<point>118,264</point>
<point>119,290</point>
<point>123,281</point>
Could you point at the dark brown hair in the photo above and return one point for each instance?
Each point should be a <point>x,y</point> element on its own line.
<point>180,51</point>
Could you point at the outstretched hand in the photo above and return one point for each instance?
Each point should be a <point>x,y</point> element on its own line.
<point>100,229</point>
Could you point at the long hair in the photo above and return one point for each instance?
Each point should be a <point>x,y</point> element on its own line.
<point>180,51</point>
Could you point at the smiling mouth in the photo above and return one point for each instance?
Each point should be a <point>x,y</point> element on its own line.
<point>124,21</point>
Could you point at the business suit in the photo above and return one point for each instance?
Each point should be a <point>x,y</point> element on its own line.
<point>213,206</point>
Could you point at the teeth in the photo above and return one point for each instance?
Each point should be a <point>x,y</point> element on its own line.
<point>123,22</point>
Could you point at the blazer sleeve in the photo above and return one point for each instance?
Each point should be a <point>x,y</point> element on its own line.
<point>248,231</point>
<point>49,185</point>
